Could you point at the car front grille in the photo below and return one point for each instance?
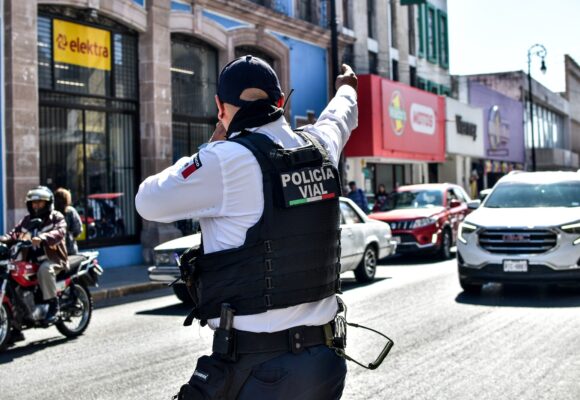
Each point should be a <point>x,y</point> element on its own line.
<point>401,225</point>
<point>517,241</point>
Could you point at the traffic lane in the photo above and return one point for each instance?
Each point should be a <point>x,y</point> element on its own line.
<point>507,344</point>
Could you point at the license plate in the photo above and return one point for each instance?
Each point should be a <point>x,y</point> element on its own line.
<point>515,266</point>
<point>397,239</point>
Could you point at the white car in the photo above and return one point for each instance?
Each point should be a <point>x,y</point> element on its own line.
<point>363,243</point>
<point>526,231</point>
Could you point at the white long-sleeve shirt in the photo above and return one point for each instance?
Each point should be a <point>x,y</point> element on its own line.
<point>222,187</point>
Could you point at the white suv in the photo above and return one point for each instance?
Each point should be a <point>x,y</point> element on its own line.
<point>527,230</point>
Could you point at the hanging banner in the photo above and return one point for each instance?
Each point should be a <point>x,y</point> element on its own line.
<point>81,45</point>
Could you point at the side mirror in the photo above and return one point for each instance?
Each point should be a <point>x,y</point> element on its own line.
<point>474,204</point>
<point>454,203</point>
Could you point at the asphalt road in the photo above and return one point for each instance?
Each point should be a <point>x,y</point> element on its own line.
<point>508,343</point>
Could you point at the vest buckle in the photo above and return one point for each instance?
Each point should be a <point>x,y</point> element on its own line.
<point>268,300</point>
<point>268,246</point>
<point>268,264</point>
<point>269,284</point>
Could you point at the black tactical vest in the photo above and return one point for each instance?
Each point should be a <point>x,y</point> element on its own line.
<point>292,254</point>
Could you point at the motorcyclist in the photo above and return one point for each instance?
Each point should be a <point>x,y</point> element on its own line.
<point>48,245</point>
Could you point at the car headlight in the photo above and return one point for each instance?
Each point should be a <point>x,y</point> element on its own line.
<point>419,223</point>
<point>573,229</point>
<point>464,230</point>
<point>165,259</point>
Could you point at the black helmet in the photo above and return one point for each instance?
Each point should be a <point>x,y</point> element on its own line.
<point>40,193</point>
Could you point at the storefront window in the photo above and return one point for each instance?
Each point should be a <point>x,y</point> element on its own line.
<point>88,120</point>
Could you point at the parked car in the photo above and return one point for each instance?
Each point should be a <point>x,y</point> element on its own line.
<point>526,231</point>
<point>425,218</point>
<point>363,242</point>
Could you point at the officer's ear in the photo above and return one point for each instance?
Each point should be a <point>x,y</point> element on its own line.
<point>221,108</point>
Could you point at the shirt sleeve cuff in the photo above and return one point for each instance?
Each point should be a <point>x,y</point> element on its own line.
<point>346,90</point>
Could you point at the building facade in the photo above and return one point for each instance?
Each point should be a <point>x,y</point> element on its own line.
<point>411,48</point>
<point>103,93</point>
<point>550,135</point>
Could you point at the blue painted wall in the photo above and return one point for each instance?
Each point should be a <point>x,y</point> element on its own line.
<point>180,7</point>
<point>120,256</point>
<point>2,155</point>
<point>223,21</point>
<point>284,6</point>
<point>140,2</point>
<point>308,77</point>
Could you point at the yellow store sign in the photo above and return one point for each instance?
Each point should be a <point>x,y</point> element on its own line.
<point>81,45</point>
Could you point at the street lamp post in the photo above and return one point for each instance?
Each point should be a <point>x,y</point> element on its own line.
<point>540,51</point>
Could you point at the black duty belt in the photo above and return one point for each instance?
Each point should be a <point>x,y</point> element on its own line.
<point>293,340</point>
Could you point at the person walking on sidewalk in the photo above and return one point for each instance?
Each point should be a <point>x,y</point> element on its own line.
<point>267,202</point>
<point>358,196</point>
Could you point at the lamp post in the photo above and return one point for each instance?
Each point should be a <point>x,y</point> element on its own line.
<point>540,51</point>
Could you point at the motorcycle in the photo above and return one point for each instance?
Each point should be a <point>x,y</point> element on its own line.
<point>21,303</point>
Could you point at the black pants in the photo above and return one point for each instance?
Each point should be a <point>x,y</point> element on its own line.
<point>315,374</point>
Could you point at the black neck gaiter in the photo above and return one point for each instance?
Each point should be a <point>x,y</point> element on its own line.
<point>254,114</point>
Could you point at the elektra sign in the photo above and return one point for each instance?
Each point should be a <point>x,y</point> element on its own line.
<point>81,45</point>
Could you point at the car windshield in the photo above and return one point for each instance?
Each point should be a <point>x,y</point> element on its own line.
<point>518,195</point>
<point>414,199</point>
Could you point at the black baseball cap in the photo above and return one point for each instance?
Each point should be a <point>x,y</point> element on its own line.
<point>244,73</point>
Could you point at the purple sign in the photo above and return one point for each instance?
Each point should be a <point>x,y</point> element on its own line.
<point>503,123</point>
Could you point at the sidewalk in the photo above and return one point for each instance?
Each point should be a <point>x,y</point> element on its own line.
<point>123,281</point>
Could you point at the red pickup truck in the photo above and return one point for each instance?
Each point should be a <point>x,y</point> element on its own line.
<point>425,218</point>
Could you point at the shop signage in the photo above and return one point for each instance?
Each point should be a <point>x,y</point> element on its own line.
<point>503,123</point>
<point>81,45</point>
<point>464,129</point>
<point>397,121</point>
<point>411,2</point>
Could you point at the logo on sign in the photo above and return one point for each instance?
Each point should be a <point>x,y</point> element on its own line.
<point>397,113</point>
<point>423,119</point>
<point>465,128</point>
<point>81,45</point>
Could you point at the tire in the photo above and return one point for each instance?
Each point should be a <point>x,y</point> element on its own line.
<point>367,269</point>
<point>182,294</point>
<point>444,252</point>
<point>81,310</point>
<point>469,287</point>
<point>5,327</point>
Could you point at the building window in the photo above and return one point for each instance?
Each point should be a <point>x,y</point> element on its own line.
<point>548,128</point>
<point>411,23</point>
<point>346,14</point>
<point>421,24</point>
<point>395,70</point>
<point>393,20</point>
<point>306,10</point>
<point>373,63</point>
<point>422,84</point>
<point>371,19</point>
<point>413,76</point>
<point>443,39</point>
<point>431,31</point>
<point>88,120</point>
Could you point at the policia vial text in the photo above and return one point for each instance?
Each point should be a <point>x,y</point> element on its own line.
<point>310,181</point>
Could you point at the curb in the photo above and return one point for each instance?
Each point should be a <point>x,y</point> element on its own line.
<point>103,294</point>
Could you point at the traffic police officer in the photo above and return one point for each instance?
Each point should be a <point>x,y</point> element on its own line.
<point>267,201</point>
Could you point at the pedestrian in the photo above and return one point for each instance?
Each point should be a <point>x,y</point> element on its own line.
<point>267,202</point>
<point>381,198</point>
<point>63,204</point>
<point>358,196</point>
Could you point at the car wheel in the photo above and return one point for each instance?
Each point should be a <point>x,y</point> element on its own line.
<point>469,287</point>
<point>182,293</point>
<point>366,270</point>
<point>444,252</point>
